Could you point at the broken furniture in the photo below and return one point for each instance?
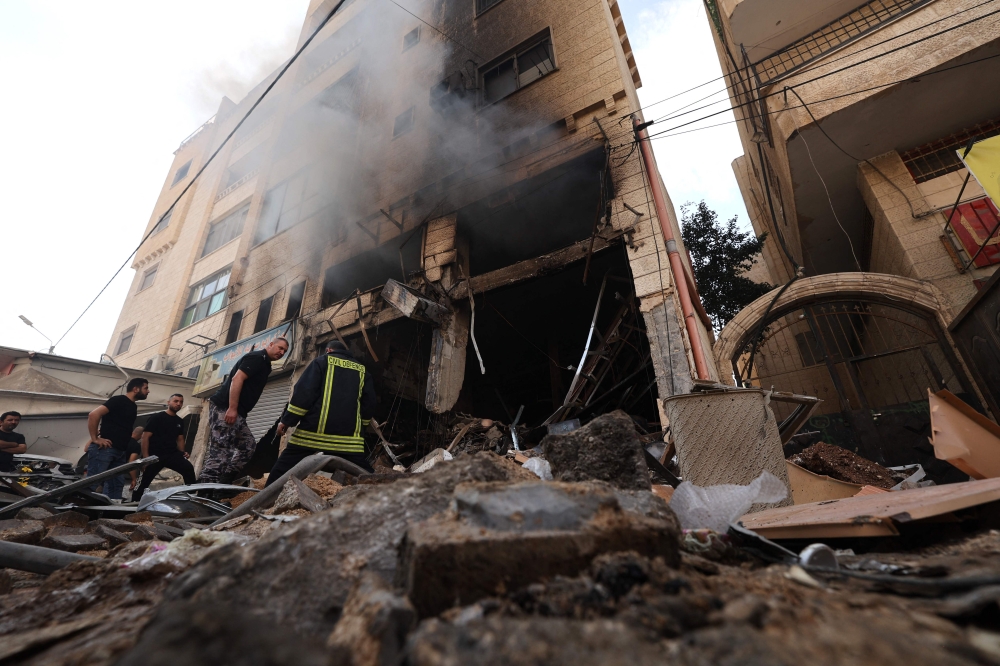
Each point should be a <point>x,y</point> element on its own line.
<point>964,437</point>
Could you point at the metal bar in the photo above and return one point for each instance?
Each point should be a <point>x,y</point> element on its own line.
<point>36,559</point>
<point>374,237</point>
<point>586,349</point>
<point>391,219</point>
<point>364,333</point>
<point>385,443</point>
<point>77,485</point>
<point>845,404</point>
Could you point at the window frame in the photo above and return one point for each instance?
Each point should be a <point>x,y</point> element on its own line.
<point>241,212</point>
<point>161,224</point>
<point>396,132</point>
<point>477,11</point>
<point>182,172</point>
<point>193,306</point>
<point>128,333</point>
<point>306,195</point>
<point>514,55</point>
<point>296,295</point>
<point>417,41</point>
<point>263,314</point>
<point>142,282</point>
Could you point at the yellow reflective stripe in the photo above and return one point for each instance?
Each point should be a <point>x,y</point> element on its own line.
<point>365,422</point>
<point>320,437</point>
<point>348,446</point>
<point>327,388</point>
<point>361,385</point>
<point>298,411</point>
<point>350,365</point>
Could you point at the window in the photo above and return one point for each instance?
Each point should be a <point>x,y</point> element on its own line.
<point>125,340</point>
<point>263,314</point>
<point>518,70</point>
<point>235,321</point>
<point>404,123</point>
<point>206,298</point>
<point>483,5</point>
<point>295,300</point>
<point>181,173</point>
<point>287,204</point>
<point>193,371</point>
<point>147,278</point>
<point>162,224</point>
<point>225,230</point>
<point>411,38</point>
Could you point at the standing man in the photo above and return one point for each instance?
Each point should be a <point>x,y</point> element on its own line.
<point>164,438</point>
<point>331,402</point>
<point>133,453</point>
<point>108,447</point>
<point>231,444</point>
<point>10,442</point>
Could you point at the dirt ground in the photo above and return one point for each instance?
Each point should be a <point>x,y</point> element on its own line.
<point>839,463</point>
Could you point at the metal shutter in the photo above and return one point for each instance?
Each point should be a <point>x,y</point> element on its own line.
<point>269,407</point>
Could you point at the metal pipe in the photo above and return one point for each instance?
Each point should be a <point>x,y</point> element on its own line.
<point>127,378</point>
<point>36,559</point>
<point>676,266</point>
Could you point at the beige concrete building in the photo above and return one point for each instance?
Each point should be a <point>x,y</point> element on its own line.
<point>479,161</point>
<point>850,115</point>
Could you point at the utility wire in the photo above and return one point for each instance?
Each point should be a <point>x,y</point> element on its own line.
<point>438,30</point>
<point>209,160</point>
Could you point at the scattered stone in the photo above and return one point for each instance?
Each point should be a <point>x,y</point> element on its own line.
<point>374,624</point>
<point>61,530</point>
<point>296,495</point>
<point>123,526</point>
<point>142,533</point>
<point>74,542</point>
<point>66,519</point>
<point>555,529</point>
<point>33,513</point>
<point>165,532</point>
<point>22,531</point>
<point>606,449</point>
<point>113,536</point>
<point>496,641</point>
<point>140,517</point>
<point>430,460</point>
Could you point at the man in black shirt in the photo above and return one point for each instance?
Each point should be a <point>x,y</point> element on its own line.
<point>109,443</point>
<point>134,452</point>
<point>10,442</point>
<point>164,438</point>
<point>231,444</point>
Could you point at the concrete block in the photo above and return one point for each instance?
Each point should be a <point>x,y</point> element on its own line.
<point>113,536</point>
<point>606,449</point>
<point>473,550</point>
<point>74,542</point>
<point>22,531</point>
<point>66,519</point>
<point>33,513</point>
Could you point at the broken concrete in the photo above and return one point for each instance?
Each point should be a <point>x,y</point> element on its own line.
<point>66,519</point>
<point>374,624</point>
<point>552,528</point>
<point>111,535</point>
<point>74,542</point>
<point>300,575</point>
<point>606,449</point>
<point>22,531</point>
<point>33,513</point>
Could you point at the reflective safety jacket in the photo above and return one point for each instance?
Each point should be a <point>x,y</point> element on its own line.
<point>331,402</point>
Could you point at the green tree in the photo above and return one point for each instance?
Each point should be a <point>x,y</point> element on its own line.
<point>721,254</point>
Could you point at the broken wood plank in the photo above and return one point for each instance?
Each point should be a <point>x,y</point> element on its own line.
<point>412,304</point>
<point>458,437</point>
<point>869,515</point>
<point>308,497</point>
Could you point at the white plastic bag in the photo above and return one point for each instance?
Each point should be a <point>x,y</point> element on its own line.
<point>714,507</point>
<point>541,467</point>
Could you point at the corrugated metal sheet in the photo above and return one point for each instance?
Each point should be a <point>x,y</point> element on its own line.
<point>269,407</point>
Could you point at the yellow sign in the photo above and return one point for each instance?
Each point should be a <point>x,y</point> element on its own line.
<point>984,163</point>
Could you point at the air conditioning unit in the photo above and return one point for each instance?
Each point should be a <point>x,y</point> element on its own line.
<point>158,363</point>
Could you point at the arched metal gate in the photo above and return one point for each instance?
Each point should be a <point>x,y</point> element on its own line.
<point>871,362</point>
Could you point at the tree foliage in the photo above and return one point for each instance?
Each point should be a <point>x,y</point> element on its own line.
<point>721,255</point>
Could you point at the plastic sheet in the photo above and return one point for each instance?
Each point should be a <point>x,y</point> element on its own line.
<point>714,507</point>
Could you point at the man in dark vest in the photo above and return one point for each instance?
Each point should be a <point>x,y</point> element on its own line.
<point>332,401</point>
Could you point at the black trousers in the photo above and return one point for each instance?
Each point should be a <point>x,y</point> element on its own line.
<point>294,453</point>
<point>171,459</point>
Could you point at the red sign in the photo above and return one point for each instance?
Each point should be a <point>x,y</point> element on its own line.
<point>976,223</point>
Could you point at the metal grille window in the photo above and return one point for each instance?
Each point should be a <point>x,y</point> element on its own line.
<point>162,224</point>
<point>225,230</point>
<point>844,30</point>
<point>518,70</point>
<point>483,5</point>
<point>206,298</point>
<point>940,157</point>
<point>125,341</point>
<point>148,278</point>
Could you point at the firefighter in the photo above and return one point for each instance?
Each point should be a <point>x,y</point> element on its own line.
<point>332,401</point>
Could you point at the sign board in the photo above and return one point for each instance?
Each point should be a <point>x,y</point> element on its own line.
<point>984,163</point>
<point>217,365</point>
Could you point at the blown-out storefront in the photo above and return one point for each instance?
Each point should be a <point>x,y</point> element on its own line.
<point>217,365</point>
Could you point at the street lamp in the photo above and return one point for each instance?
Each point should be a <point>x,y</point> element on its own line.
<point>27,321</point>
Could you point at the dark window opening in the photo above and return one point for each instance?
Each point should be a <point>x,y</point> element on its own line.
<point>235,321</point>
<point>193,371</point>
<point>411,38</point>
<point>371,269</point>
<point>181,173</point>
<point>518,70</point>
<point>125,341</point>
<point>483,5</point>
<point>404,123</point>
<point>295,300</point>
<point>263,314</point>
<point>148,278</point>
<point>225,230</point>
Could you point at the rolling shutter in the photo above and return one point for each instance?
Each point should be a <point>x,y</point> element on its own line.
<point>268,408</point>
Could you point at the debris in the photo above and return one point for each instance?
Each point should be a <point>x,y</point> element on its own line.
<point>33,513</point>
<point>296,494</point>
<point>66,519</point>
<point>819,555</point>
<point>38,638</point>
<point>239,499</point>
<point>606,449</point>
<point>374,624</point>
<point>812,487</point>
<point>21,531</point>
<point>430,460</point>
<point>715,507</point>
<point>843,465</point>
<point>869,515</point>
<point>964,437</point>
<point>36,559</point>
<point>802,577</point>
<point>111,535</point>
<point>539,466</point>
<point>559,528</point>
<point>74,542</point>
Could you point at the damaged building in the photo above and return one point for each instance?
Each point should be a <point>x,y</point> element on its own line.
<point>852,118</point>
<point>464,204</point>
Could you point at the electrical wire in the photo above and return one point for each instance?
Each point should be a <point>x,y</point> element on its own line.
<point>438,30</point>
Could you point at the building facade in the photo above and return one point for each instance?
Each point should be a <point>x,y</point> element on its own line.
<point>478,161</point>
<point>851,115</point>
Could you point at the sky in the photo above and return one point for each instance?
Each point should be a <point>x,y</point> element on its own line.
<point>99,95</point>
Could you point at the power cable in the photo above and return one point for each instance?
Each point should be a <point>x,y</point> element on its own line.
<point>438,30</point>
<point>209,160</point>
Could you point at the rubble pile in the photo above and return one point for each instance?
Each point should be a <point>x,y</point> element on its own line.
<point>843,465</point>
